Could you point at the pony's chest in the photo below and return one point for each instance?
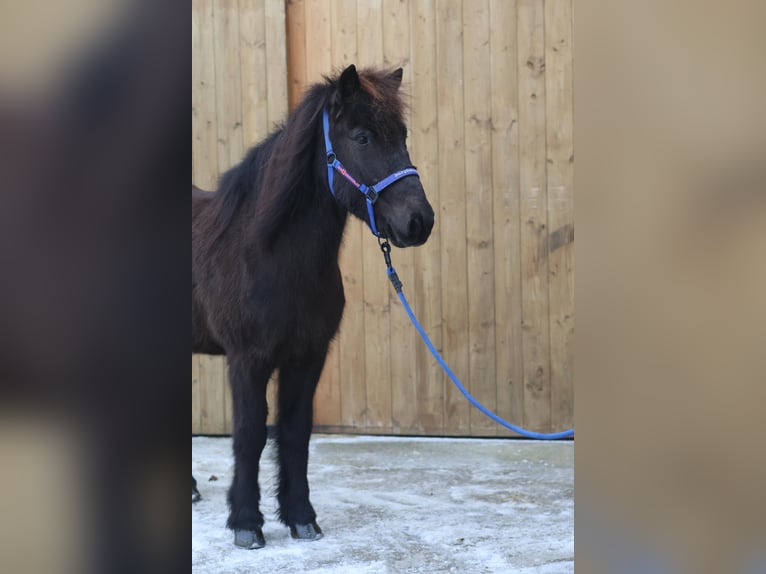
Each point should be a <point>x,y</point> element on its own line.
<point>299,308</point>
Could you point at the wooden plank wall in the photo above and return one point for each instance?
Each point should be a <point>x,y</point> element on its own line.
<point>490,84</point>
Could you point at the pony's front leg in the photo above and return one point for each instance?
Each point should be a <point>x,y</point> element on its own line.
<point>248,379</point>
<point>297,382</point>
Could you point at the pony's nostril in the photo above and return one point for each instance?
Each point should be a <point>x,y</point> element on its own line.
<point>416,225</point>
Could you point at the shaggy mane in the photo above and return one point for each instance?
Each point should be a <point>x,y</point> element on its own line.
<point>275,170</point>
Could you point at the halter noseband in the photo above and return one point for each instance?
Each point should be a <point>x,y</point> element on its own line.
<point>372,192</point>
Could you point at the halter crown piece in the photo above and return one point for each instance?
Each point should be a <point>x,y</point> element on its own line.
<point>372,192</point>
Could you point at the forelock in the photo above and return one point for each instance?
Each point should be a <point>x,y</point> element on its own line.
<point>385,103</point>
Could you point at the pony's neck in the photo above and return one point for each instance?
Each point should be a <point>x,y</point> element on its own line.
<point>307,226</point>
<point>319,218</point>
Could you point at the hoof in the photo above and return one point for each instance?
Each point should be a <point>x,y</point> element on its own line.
<point>306,531</point>
<point>250,539</point>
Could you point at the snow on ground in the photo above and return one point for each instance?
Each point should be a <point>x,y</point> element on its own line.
<point>401,505</point>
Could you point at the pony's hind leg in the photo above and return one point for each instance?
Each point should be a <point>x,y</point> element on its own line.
<point>248,384</point>
<point>297,383</point>
<point>195,493</point>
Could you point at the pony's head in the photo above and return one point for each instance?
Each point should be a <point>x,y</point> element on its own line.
<point>368,137</point>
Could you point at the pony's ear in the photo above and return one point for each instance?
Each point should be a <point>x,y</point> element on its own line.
<point>349,82</point>
<point>397,75</point>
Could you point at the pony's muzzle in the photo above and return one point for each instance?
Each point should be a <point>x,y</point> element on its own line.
<point>417,231</point>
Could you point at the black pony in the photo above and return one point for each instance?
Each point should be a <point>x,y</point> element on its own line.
<point>266,288</point>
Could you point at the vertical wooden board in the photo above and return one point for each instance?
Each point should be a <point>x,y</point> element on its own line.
<point>369,30</point>
<point>376,302</point>
<point>204,375</point>
<point>479,237</point>
<point>204,132</point>
<point>296,51</point>
<point>560,158</point>
<point>196,415</point>
<point>505,210</point>
<point>276,63</point>
<point>318,40</point>
<point>424,151</point>
<point>223,421</point>
<point>351,337</point>
<point>213,412</point>
<point>227,83</point>
<point>253,65</point>
<point>397,47</point>
<point>327,399</point>
<point>534,213</point>
<point>404,400</point>
<point>449,66</point>
<point>396,35</point>
<point>344,39</point>
<point>228,411</point>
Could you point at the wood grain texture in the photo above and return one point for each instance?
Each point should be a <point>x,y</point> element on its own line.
<point>228,83</point>
<point>252,59</point>
<point>479,219</point>
<point>534,215</point>
<point>204,124</point>
<point>424,150</point>
<point>454,287</point>
<point>560,174</point>
<point>212,402</point>
<point>276,63</point>
<point>505,211</point>
<point>196,408</point>
<point>296,51</point>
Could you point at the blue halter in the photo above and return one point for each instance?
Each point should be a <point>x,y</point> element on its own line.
<point>372,192</point>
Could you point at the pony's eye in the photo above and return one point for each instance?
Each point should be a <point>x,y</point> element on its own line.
<point>361,139</point>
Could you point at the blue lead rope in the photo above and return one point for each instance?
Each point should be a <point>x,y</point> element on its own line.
<point>386,248</point>
<point>371,194</point>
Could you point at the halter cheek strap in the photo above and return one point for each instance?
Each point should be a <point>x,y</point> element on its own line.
<point>372,192</point>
